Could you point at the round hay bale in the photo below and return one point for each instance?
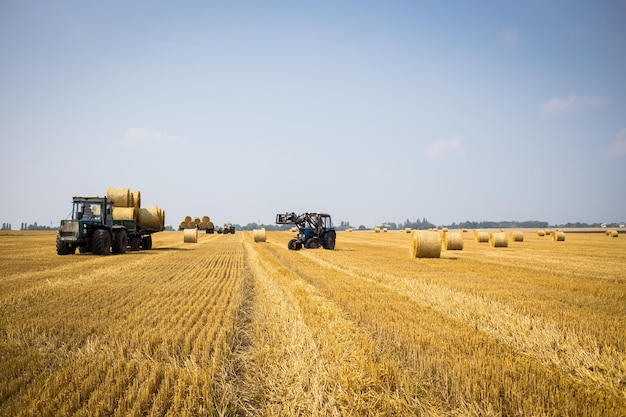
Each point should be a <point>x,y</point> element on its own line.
<point>151,218</point>
<point>120,196</point>
<point>498,240</point>
<point>206,219</point>
<point>452,241</point>
<point>558,236</point>
<point>407,230</point>
<point>517,236</point>
<point>384,230</point>
<point>294,230</point>
<point>377,230</point>
<point>182,225</point>
<point>210,225</point>
<point>444,230</point>
<point>191,235</point>
<point>196,220</point>
<point>481,237</point>
<point>135,199</point>
<point>425,244</point>
<point>349,230</point>
<point>259,235</point>
<point>614,233</point>
<point>124,213</point>
<point>202,225</point>
<point>541,232</point>
<point>190,225</point>
<point>187,219</point>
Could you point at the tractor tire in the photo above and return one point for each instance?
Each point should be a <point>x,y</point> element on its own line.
<point>298,245</point>
<point>329,241</point>
<point>64,248</point>
<point>292,244</point>
<point>135,243</point>
<point>146,242</point>
<point>101,242</point>
<point>121,241</point>
<point>312,243</point>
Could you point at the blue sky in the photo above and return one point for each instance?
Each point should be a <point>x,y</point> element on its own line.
<point>371,111</point>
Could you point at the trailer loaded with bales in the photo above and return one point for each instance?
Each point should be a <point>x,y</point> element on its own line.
<point>102,225</point>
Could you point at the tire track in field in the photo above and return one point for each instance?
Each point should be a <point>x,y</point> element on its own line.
<point>307,358</point>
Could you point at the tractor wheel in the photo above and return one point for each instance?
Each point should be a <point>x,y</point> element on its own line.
<point>146,242</point>
<point>121,241</point>
<point>312,243</point>
<point>292,244</point>
<point>101,242</point>
<point>329,241</point>
<point>298,245</point>
<point>64,248</point>
<point>135,243</point>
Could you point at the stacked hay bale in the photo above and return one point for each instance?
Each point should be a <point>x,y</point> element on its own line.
<point>127,206</point>
<point>259,235</point>
<point>202,223</point>
<point>425,244</point>
<point>452,240</point>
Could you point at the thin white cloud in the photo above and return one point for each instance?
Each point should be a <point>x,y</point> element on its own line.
<point>510,36</point>
<point>617,149</point>
<point>559,105</point>
<point>444,148</point>
<point>141,137</point>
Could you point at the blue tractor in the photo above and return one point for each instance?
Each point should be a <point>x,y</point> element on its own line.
<point>314,230</point>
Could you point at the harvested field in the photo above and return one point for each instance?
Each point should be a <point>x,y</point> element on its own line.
<point>232,327</point>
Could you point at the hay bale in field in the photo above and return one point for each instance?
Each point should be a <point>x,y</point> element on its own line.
<point>498,240</point>
<point>210,225</point>
<point>202,225</point>
<point>205,219</point>
<point>613,233</point>
<point>452,241</point>
<point>517,236</point>
<point>182,225</point>
<point>187,219</point>
<point>481,237</point>
<point>124,213</point>
<point>541,232</point>
<point>120,196</point>
<point>349,230</point>
<point>190,235</point>
<point>135,199</point>
<point>407,230</point>
<point>425,244</point>
<point>384,230</point>
<point>151,218</point>
<point>196,220</point>
<point>294,230</point>
<point>558,236</point>
<point>377,230</point>
<point>259,235</point>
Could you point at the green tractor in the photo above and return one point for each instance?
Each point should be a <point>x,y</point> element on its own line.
<point>93,229</point>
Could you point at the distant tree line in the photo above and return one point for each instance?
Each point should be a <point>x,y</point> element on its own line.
<point>35,226</point>
<point>6,226</point>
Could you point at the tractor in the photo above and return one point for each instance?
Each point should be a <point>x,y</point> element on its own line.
<point>93,229</point>
<point>314,230</point>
